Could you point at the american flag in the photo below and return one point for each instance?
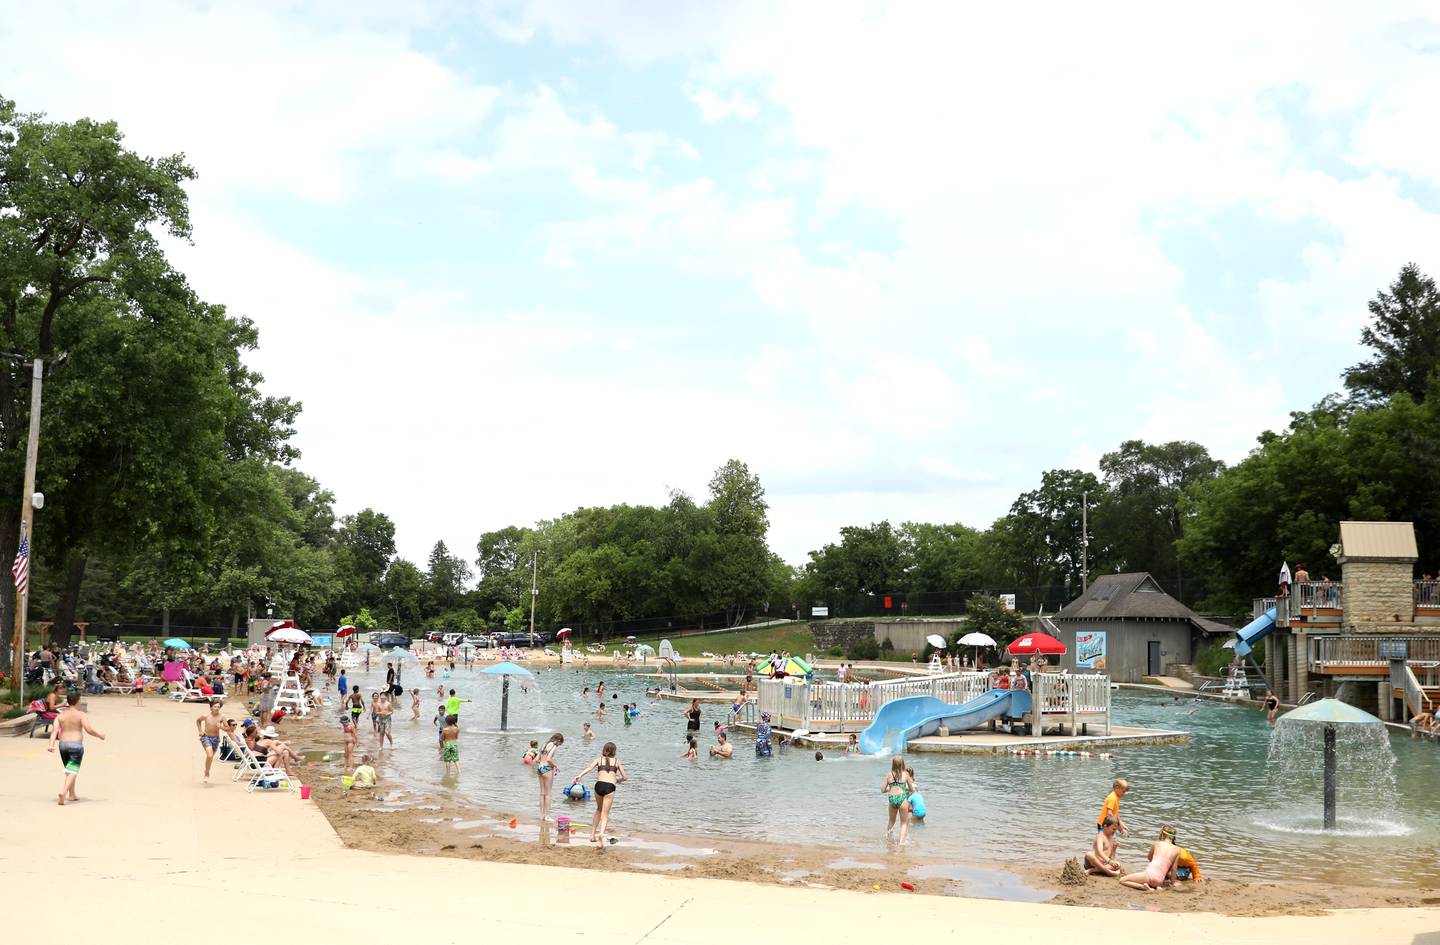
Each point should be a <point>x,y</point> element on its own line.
<point>21,570</point>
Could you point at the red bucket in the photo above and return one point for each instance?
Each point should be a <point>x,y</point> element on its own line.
<point>304,792</point>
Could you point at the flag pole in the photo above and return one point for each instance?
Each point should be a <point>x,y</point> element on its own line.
<point>27,519</point>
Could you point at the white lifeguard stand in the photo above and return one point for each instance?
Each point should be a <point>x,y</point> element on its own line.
<point>291,697</point>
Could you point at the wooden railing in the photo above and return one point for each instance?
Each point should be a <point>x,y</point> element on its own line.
<point>1403,677</point>
<point>1259,605</point>
<point>1066,696</point>
<point>1363,649</point>
<point>1316,595</point>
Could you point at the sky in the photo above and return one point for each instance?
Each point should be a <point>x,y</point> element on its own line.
<point>518,258</point>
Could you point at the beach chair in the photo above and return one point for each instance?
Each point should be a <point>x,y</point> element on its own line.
<point>256,769</point>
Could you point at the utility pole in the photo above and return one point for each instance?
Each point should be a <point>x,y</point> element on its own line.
<point>1084,542</point>
<point>534,592</point>
<point>27,520</point>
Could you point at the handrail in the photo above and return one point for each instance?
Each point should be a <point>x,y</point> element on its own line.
<point>1312,595</point>
<point>1427,593</point>
<point>1374,649</point>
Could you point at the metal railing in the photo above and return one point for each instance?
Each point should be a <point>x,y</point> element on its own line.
<point>1427,594</point>
<point>1364,649</point>
<point>1316,595</point>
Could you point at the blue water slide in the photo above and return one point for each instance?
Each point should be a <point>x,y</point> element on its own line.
<point>900,720</point>
<point>1253,632</point>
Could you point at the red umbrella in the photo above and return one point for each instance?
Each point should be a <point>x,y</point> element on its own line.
<point>280,625</point>
<point>564,633</point>
<point>1030,643</point>
<point>346,630</point>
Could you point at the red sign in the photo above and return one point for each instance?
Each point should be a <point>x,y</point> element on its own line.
<point>887,602</point>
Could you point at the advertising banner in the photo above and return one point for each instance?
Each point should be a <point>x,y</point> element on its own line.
<point>1090,649</point>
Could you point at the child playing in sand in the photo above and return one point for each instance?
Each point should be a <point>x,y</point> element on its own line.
<point>364,776</point>
<point>450,743</point>
<point>1119,789</point>
<point>1100,859</point>
<point>897,789</point>
<point>1185,866</point>
<point>1161,871</point>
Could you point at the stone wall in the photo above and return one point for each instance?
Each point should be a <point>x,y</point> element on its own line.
<point>1379,595</point>
<point>841,633</point>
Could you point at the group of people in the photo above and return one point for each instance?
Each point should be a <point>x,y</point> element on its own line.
<point>1167,862</point>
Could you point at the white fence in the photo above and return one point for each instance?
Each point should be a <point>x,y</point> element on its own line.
<point>1061,697</point>
<point>842,707</point>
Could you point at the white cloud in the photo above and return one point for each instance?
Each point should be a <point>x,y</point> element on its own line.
<point>715,107</point>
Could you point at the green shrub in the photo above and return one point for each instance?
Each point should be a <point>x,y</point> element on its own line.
<point>887,646</point>
<point>1213,660</point>
<point>835,651</point>
<point>860,650</point>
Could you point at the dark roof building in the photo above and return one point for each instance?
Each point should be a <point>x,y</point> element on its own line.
<point>1134,596</point>
<point>1125,625</point>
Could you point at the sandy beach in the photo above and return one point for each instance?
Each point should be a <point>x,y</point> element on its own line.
<point>148,840</point>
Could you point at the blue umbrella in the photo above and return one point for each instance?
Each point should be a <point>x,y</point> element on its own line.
<point>505,670</point>
<point>175,643</point>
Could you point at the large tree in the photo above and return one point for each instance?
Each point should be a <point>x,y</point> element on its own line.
<point>154,398</point>
<point>1138,519</point>
<point>1404,333</point>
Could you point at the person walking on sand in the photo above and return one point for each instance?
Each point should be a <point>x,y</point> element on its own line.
<point>897,789</point>
<point>384,714</point>
<point>208,728</point>
<point>68,733</point>
<point>545,772</point>
<point>450,744</point>
<point>609,774</point>
<point>1161,871</point>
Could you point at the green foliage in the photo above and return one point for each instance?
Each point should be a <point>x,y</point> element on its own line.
<point>363,620</point>
<point>516,620</point>
<point>1405,335</point>
<point>1212,660</point>
<point>987,615</point>
<point>460,620</point>
<point>862,649</point>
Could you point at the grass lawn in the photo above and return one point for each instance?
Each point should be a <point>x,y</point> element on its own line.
<point>792,637</point>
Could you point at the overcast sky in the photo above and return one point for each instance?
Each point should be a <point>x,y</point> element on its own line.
<point>519,258</point>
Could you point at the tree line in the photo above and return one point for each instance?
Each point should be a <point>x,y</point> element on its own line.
<point>172,490</point>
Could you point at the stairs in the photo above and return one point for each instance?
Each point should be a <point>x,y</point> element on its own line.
<point>1432,697</point>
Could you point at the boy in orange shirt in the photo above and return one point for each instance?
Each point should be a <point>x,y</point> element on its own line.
<point>1119,789</point>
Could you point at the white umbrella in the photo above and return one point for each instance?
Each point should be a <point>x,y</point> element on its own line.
<point>367,645</point>
<point>936,640</point>
<point>975,639</point>
<point>1229,644</point>
<point>289,635</point>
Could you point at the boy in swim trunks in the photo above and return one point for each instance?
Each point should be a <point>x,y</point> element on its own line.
<point>450,743</point>
<point>384,712</point>
<point>68,732</point>
<point>357,705</point>
<point>208,728</point>
<point>1100,858</point>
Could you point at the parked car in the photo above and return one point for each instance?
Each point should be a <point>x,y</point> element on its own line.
<point>389,639</point>
<point>451,638</point>
<point>433,636</point>
<point>481,640</point>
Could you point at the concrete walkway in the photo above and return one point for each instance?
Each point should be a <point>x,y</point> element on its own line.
<point>150,854</point>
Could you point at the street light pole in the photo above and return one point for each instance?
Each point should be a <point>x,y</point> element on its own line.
<point>534,592</point>
<point>27,520</point>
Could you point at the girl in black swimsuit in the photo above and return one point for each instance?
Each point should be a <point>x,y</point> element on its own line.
<point>609,773</point>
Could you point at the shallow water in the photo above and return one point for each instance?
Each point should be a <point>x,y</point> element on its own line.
<point>1243,816</point>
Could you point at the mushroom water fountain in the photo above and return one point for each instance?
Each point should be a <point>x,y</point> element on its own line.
<point>1341,738</point>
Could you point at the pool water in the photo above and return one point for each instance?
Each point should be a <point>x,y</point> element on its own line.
<point>1242,816</point>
